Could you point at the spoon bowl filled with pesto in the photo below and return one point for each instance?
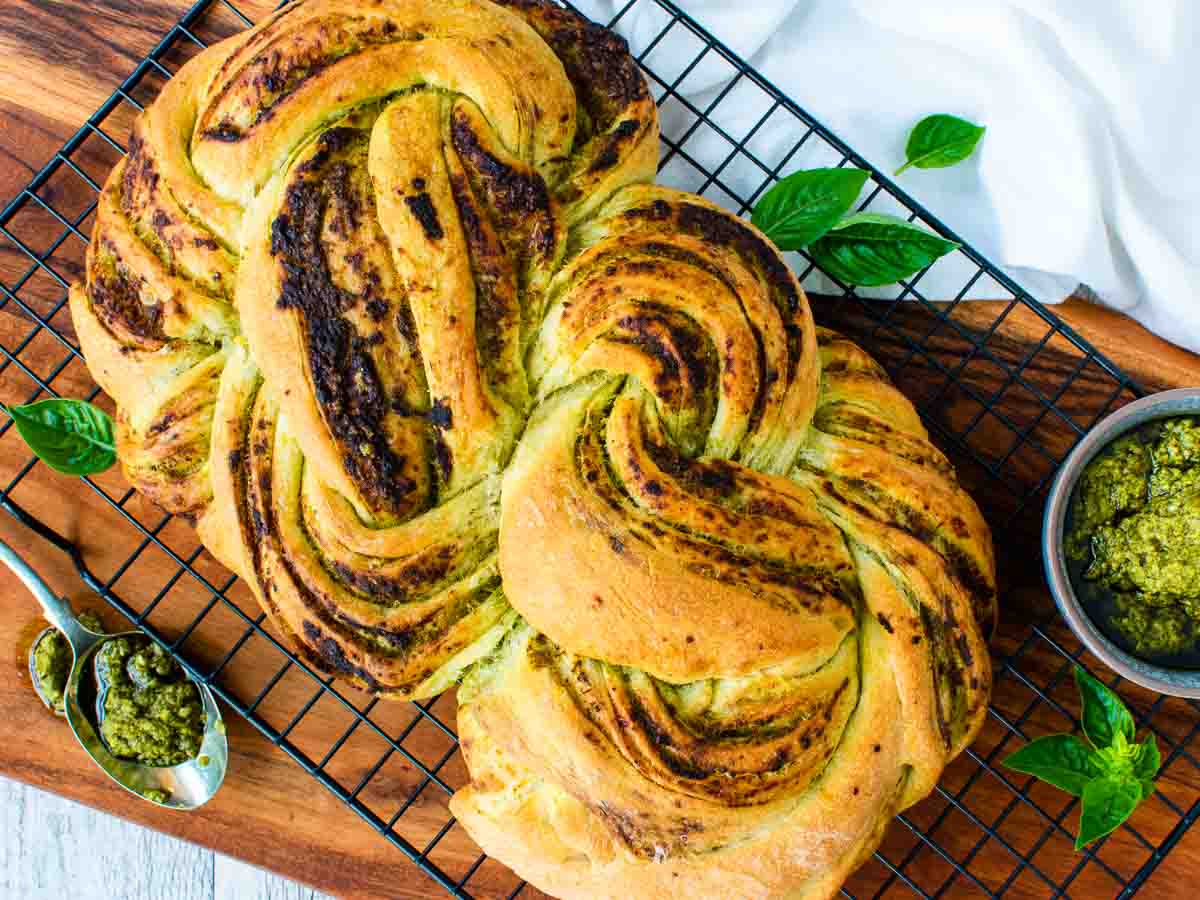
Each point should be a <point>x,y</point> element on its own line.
<point>1121,541</point>
<point>154,730</point>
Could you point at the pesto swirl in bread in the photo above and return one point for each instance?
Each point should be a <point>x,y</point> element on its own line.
<point>392,310</point>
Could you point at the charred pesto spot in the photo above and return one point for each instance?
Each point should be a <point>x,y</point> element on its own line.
<point>597,61</point>
<point>117,301</point>
<point>497,309</point>
<point>161,424</point>
<point>541,653</point>
<point>443,457</point>
<point>614,143</point>
<point>140,176</point>
<point>773,508</point>
<point>927,530</point>
<point>406,325</point>
<point>813,589</point>
<point>657,211</point>
<point>440,415</point>
<point>715,478</point>
<point>330,652</point>
<point>422,209</point>
<point>331,141</point>
<point>679,350</point>
<point>414,580</point>
<point>516,193</point>
<point>224,132</point>
<point>718,227</point>
<point>269,77</point>
<point>347,210</point>
<point>346,385</point>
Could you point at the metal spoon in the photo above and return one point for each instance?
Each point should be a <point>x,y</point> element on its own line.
<point>185,786</point>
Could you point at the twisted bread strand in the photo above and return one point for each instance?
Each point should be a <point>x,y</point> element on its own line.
<point>390,310</point>
<point>310,290</point>
<point>727,681</point>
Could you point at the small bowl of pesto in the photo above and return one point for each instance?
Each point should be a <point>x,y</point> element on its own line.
<point>1121,541</point>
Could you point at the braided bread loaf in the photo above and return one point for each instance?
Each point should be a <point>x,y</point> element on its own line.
<point>752,593</point>
<point>390,309</point>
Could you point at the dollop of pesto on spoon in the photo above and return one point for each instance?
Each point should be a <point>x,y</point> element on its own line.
<point>148,709</point>
<point>52,660</point>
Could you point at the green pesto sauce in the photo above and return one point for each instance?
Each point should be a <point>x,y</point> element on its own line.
<point>52,660</point>
<point>1133,541</point>
<point>156,795</point>
<point>149,711</point>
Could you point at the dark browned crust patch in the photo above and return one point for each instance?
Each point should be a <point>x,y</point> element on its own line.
<point>347,386</point>
<point>422,209</point>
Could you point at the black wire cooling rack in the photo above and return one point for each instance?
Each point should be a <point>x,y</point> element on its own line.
<point>1006,393</point>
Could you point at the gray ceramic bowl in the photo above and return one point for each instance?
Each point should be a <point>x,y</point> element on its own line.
<point>1177,682</point>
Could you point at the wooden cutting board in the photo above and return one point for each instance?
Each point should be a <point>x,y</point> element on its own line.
<point>58,62</point>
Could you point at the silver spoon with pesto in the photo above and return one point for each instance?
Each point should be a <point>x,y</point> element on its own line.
<point>154,730</point>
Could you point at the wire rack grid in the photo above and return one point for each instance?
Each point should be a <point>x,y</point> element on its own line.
<point>1006,394</point>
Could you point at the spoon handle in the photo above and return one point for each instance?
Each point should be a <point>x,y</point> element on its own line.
<point>56,610</point>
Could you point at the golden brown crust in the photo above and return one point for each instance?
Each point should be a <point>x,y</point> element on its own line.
<point>730,679</point>
<point>390,309</point>
<point>310,289</point>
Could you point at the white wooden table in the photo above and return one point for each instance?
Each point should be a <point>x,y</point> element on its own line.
<point>52,849</point>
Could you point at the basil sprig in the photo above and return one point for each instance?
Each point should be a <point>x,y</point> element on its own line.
<point>70,436</point>
<point>941,140</point>
<point>872,249</point>
<point>811,209</point>
<point>806,204</point>
<point>1107,768</point>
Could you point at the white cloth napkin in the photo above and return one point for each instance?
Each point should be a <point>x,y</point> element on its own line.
<point>1090,168</point>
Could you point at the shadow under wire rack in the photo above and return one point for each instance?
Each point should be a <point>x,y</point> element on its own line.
<point>1005,392</point>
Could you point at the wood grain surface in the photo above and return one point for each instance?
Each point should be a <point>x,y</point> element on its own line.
<point>58,62</point>
<point>53,848</point>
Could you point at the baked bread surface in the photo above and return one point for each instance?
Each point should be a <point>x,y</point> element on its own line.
<point>391,309</point>
<point>753,596</point>
<point>310,290</point>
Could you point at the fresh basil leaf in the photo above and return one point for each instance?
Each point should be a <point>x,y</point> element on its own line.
<point>70,436</point>
<point>1147,760</point>
<point>872,249</point>
<point>1107,802</point>
<point>1104,715</point>
<point>1109,771</point>
<point>802,207</point>
<point>940,140</point>
<point>1062,760</point>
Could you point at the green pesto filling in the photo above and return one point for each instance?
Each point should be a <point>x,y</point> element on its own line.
<point>152,713</point>
<point>52,661</point>
<point>1135,526</point>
